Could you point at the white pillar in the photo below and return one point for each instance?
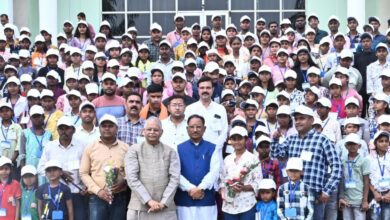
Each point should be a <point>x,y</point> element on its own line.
<point>357,9</point>
<point>11,11</point>
<point>48,17</point>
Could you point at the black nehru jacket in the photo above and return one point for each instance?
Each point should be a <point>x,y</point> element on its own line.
<point>44,70</point>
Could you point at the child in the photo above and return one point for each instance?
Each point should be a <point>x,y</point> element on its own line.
<point>353,194</point>
<point>34,139</point>
<point>3,43</point>
<point>54,198</point>
<point>126,87</point>
<point>380,107</point>
<point>229,83</point>
<point>114,49</point>
<point>74,98</point>
<point>347,92</point>
<point>274,46</point>
<point>312,94</point>
<point>266,208</point>
<point>337,110</point>
<point>125,62</point>
<point>92,91</point>
<point>271,107</point>
<point>143,63</point>
<point>26,81</point>
<point>180,49</point>
<point>285,122</point>
<point>296,96</point>
<point>243,89</point>
<point>75,56</point>
<point>82,82</point>
<point>317,125</point>
<point>250,107</point>
<point>18,102</point>
<point>258,94</point>
<point>330,126</point>
<point>26,67</point>
<point>283,98</point>
<point>62,101</point>
<point>51,113</point>
<point>281,67</point>
<point>295,200</point>
<point>29,202</point>
<point>10,191</point>
<point>352,110</point>
<point>324,52</point>
<point>266,83</point>
<point>270,168</point>
<point>314,78</point>
<point>38,58</point>
<point>352,126</point>
<point>383,125</point>
<point>380,175</point>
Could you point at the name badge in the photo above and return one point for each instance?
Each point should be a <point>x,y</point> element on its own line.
<point>26,216</point>
<point>305,85</point>
<point>350,184</point>
<point>3,212</point>
<point>57,215</point>
<point>284,172</point>
<point>38,153</point>
<point>24,120</point>
<point>290,212</point>
<point>229,149</point>
<point>306,155</point>
<point>5,144</point>
<point>177,43</point>
<point>384,183</point>
<point>11,135</point>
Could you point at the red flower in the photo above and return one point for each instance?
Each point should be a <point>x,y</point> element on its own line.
<point>230,182</point>
<point>244,171</point>
<point>237,179</point>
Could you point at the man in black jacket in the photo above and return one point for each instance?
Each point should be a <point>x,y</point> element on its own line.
<point>52,57</point>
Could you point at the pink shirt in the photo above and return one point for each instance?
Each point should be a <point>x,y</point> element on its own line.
<point>173,37</point>
<point>63,103</point>
<point>278,73</point>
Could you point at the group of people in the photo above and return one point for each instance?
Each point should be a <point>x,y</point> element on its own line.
<point>289,122</point>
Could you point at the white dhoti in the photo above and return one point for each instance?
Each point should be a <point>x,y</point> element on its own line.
<point>142,215</point>
<point>197,212</point>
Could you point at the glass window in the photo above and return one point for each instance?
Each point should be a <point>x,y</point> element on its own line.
<point>236,19</point>
<point>223,24</point>
<point>291,16</point>
<point>117,22</point>
<point>165,20</point>
<point>242,5</point>
<point>189,5</point>
<point>190,20</point>
<point>113,5</point>
<point>135,5</point>
<point>269,16</point>
<point>166,5</point>
<point>293,4</point>
<point>216,4</point>
<point>267,4</point>
<point>140,21</point>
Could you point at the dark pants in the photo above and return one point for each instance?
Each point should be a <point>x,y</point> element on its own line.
<point>102,210</point>
<point>79,206</point>
<point>250,214</point>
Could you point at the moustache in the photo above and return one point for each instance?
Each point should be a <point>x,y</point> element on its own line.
<point>205,93</point>
<point>134,107</point>
<point>152,135</point>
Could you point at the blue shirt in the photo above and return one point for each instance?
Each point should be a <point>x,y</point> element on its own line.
<point>268,208</point>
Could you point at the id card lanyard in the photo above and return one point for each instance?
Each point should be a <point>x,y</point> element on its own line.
<point>54,200</point>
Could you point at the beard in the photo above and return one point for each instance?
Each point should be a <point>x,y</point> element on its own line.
<point>108,92</point>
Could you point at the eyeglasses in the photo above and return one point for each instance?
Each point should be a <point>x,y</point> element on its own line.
<point>177,105</point>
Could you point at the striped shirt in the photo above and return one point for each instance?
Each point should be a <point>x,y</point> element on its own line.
<point>128,132</point>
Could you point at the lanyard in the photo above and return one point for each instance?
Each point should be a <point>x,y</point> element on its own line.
<point>325,123</point>
<point>350,168</point>
<point>27,203</point>
<point>78,71</point>
<point>78,117</point>
<point>303,74</point>
<point>13,105</point>
<point>36,137</point>
<point>292,191</point>
<point>285,134</point>
<point>382,170</point>
<point>264,211</point>
<point>281,72</point>
<point>6,133</point>
<point>55,202</point>
<point>262,168</point>
<point>44,127</point>
<point>177,39</point>
<point>269,129</point>
<point>1,193</point>
<point>48,68</point>
<point>262,56</point>
<point>337,106</point>
<point>281,166</point>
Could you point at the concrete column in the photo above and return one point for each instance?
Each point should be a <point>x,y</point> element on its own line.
<point>357,9</point>
<point>48,17</point>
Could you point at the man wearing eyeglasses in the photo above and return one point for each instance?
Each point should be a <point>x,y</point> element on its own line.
<point>175,125</point>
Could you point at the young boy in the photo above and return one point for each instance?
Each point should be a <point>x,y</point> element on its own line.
<point>271,107</point>
<point>266,208</point>
<point>126,87</point>
<point>269,167</point>
<point>324,52</point>
<point>92,91</point>
<point>331,127</point>
<point>354,186</point>
<point>352,126</point>
<point>74,98</point>
<point>54,198</point>
<point>51,114</point>
<point>317,125</point>
<point>312,94</point>
<point>296,96</point>
<point>258,94</point>
<point>250,107</point>
<point>351,107</point>
<point>375,69</point>
<point>295,200</point>
<point>25,67</point>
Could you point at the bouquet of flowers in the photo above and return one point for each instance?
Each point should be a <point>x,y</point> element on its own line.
<point>239,179</point>
<point>111,172</point>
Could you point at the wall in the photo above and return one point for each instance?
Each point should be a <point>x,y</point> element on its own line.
<point>324,9</point>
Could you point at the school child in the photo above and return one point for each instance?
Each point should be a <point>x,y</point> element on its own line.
<point>351,107</point>
<point>312,95</point>
<point>271,107</point>
<point>281,66</point>
<point>25,67</point>
<point>18,102</point>
<point>10,191</point>
<point>51,113</point>
<point>143,63</point>
<point>314,78</point>
<point>266,208</point>
<point>74,98</point>
<point>337,101</point>
<point>330,125</point>
<point>352,126</point>
<point>296,95</point>
<point>347,92</point>
<point>29,201</point>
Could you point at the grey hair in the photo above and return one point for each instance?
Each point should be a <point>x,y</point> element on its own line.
<point>153,119</point>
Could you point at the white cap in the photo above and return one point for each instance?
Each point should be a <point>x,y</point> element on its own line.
<point>231,26</point>
<point>91,48</point>
<point>53,74</point>
<point>67,22</point>
<point>82,22</point>
<point>189,61</point>
<point>100,35</point>
<point>304,110</point>
<point>265,68</point>
<point>53,163</point>
<point>257,59</point>
<point>282,50</point>
<point>262,138</point>
<point>284,94</point>
<point>28,169</point>
<point>23,36</point>
<point>46,92</point>
<point>324,40</point>
<point>335,81</point>
<point>342,70</point>
<point>249,102</point>
<point>309,30</point>
<point>53,52</point>
<point>100,55</point>
<point>374,18</point>
<point>243,82</point>
<point>279,81</point>
<point>314,90</point>
<point>132,29</point>
<point>126,50</point>
<point>261,20</point>
<point>178,64</point>
<point>155,26</point>
<point>284,110</point>
<point>333,17</point>
<point>245,17</point>
<point>215,16</point>
<point>143,47</point>
<point>83,76</point>
<point>73,92</point>
<point>267,184</point>
<point>133,72</point>
<point>302,48</point>
<point>285,21</point>
<point>186,29</point>
<point>85,104</point>
<point>105,23</point>
<point>251,73</point>
<point>61,35</point>
<point>108,75</point>
<point>65,120</point>
<point>75,50</point>
<point>63,46</point>
<point>8,26</point>
<point>8,66</point>
<point>294,163</point>
<point>165,42</point>
<point>25,78</point>
<point>311,15</point>
<point>238,130</point>
<point>385,72</point>
<point>314,70</point>
<point>14,56</point>
<point>249,34</point>
<point>377,134</point>
<point>39,38</point>
<point>112,44</point>
<point>203,44</point>
<point>25,29</point>
<point>179,75</point>
<point>71,75</point>
<point>382,97</point>
<point>36,110</point>
<point>24,53</point>
<point>6,104</point>
<point>324,102</point>
<point>351,100</point>
<point>352,120</point>
<point>87,65</point>
<point>210,67</point>
<point>125,81</point>
<point>220,34</point>
<point>5,160</point>
<point>384,119</point>
<point>339,34</point>
<point>265,31</point>
<point>271,102</point>
<point>288,30</point>
<point>381,45</point>
<point>212,51</point>
<point>42,80</point>
<point>178,16</point>
<point>191,41</point>
<point>290,74</point>
<point>113,62</point>
<point>283,38</point>
<point>238,118</point>
<point>257,90</point>
<point>108,117</point>
<point>262,129</point>
<point>317,121</point>
<point>346,53</point>
<point>229,61</point>
<point>33,93</point>
<point>2,37</point>
<point>92,88</point>
<point>226,92</point>
<point>13,79</point>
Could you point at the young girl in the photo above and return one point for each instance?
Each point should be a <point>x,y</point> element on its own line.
<point>100,62</point>
<point>206,36</point>
<point>10,191</point>
<point>314,78</point>
<point>29,202</point>
<point>302,64</point>
<point>143,63</point>
<point>51,113</point>
<point>88,69</point>
<point>249,39</point>
<point>311,97</point>
<point>281,66</point>
<point>267,84</point>
<point>336,99</point>
<point>62,101</point>
<point>246,190</point>
<point>18,102</point>
<point>238,60</point>
<point>323,56</point>
<point>74,99</point>
<point>290,33</point>
<point>274,46</point>
<point>125,61</point>
<point>105,28</point>
<point>265,37</point>
<point>114,49</point>
<point>83,81</point>
<point>34,139</point>
<point>157,78</point>
<point>346,92</point>
<point>271,107</point>
<point>381,107</point>
<point>82,37</point>
<point>380,175</point>
<point>75,67</point>
<point>38,57</point>
<point>296,96</point>
<point>129,43</point>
